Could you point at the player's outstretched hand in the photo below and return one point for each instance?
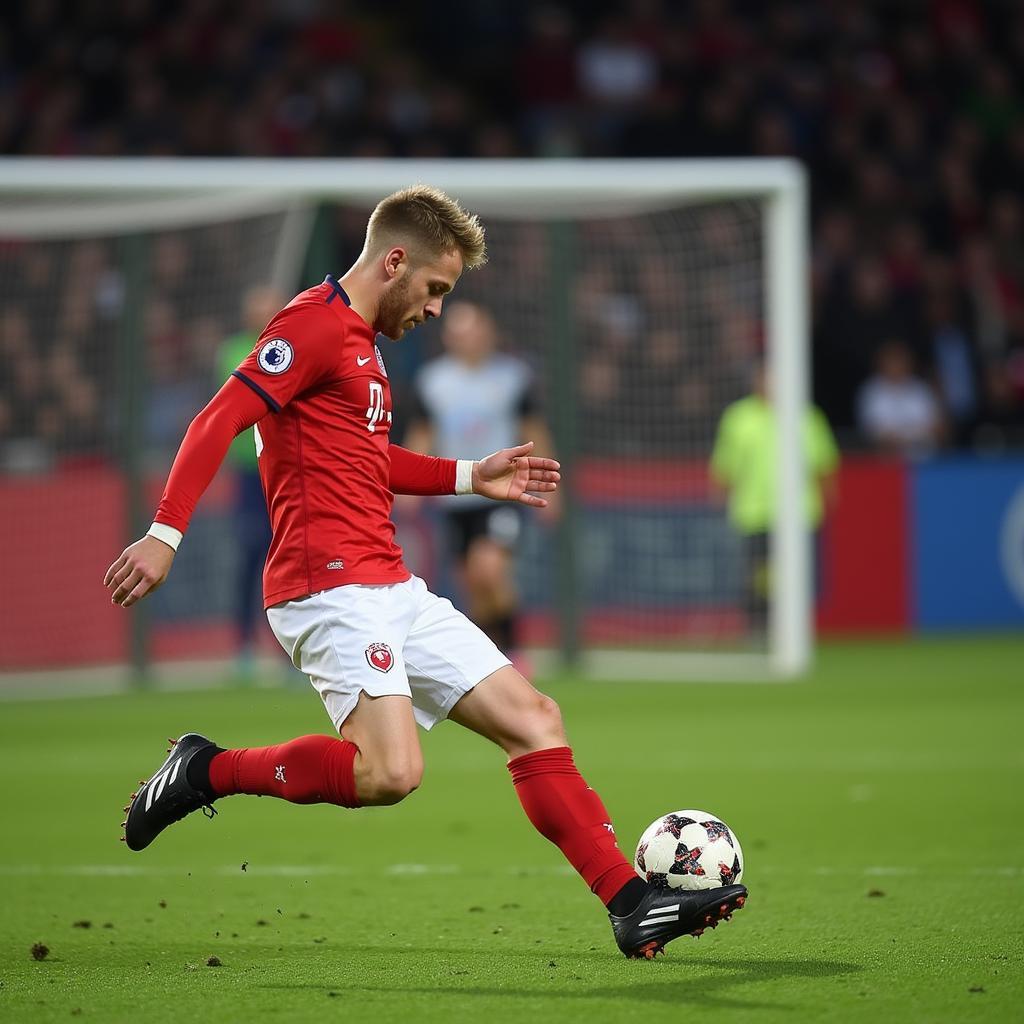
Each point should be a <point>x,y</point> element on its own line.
<point>139,570</point>
<point>509,475</point>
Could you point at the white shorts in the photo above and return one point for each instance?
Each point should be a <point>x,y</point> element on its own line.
<point>393,639</point>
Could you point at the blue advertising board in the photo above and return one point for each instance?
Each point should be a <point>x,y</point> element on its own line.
<point>967,537</point>
<point>658,557</point>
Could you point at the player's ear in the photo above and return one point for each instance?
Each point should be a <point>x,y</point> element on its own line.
<point>394,260</point>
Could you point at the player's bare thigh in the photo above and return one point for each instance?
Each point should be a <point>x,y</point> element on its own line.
<point>506,709</point>
<point>389,765</point>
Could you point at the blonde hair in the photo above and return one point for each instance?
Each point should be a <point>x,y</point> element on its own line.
<point>427,221</point>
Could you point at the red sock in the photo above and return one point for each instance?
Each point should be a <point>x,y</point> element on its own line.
<point>564,809</point>
<point>309,770</point>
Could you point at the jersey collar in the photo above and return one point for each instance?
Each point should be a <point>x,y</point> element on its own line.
<point>336,290</point>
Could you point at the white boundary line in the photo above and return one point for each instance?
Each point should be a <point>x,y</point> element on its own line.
<point>599,665</point>
<point>167,677</point>
<point>420,870</point>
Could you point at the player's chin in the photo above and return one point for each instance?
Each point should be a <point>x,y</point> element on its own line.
<point>394,333</point>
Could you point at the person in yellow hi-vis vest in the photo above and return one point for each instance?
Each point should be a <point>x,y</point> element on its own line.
<point>744,465</point>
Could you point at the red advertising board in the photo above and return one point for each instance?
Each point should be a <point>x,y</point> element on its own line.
<point>864,575</point>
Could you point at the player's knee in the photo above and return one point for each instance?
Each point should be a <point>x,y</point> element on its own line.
<point>542,725</point>
<point>551,717</point>
<point>393,782</point>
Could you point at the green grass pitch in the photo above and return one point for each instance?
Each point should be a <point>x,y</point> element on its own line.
<point>879,803</point>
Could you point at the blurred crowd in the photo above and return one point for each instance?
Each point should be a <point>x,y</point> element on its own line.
<point>87,370</point>
<point>908,116</point>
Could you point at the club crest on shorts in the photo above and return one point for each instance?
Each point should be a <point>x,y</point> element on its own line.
<point>379,656</point>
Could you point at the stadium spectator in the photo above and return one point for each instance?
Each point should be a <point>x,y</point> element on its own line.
<point>956,365</point>
<point>854,322</point>
<point>910,123</point>
<point>896,410</point>
<point>176,389</point>
<point>1002,423</point>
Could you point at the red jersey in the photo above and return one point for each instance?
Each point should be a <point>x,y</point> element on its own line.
<point>328,469</point>
<point>323,447</point>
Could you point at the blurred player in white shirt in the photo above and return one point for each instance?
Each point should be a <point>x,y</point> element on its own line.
<point>472,397</point>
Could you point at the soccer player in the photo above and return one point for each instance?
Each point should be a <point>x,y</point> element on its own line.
<point>475,398</point>
<point>383,652</point>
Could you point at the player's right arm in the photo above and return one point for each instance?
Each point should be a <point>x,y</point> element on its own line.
<point>144,565</point>
<point>294,352</point>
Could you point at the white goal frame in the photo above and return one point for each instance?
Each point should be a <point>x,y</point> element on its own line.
<point>114,195</point>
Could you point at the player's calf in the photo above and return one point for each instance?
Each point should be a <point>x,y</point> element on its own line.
<point>307,770</point>
<point>556,798</point>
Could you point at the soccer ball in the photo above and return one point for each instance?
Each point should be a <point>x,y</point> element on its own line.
<point>689,850</point>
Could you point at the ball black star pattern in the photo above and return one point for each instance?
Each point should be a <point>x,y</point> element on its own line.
<point>686,861</point>
<point>673,823</point>
<point>717,830</point>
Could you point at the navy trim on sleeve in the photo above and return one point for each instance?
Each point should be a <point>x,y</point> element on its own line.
<point>259,391</point>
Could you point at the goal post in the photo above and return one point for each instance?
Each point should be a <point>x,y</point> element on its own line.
<point>712,232</point>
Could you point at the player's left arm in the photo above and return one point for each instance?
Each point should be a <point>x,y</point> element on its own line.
<point>506,475</point>
<point>415,473</point>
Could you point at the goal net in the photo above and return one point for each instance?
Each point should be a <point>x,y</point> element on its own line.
<point>644,295</point>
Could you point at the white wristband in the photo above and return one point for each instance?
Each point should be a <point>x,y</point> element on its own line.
<point>168,534</point>
<point>464,476</point>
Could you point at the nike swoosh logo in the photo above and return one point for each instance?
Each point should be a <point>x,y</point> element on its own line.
<point>362,360</point>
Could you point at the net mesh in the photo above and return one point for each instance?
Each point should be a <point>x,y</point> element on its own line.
<point>91,329</point>
<point>641,328</point>
<point>660,316</point>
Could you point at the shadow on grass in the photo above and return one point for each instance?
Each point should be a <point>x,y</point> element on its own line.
<point>706,983</point>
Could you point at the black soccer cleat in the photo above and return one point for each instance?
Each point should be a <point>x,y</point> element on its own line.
<point>168,796</point>
<point>665,914</point>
